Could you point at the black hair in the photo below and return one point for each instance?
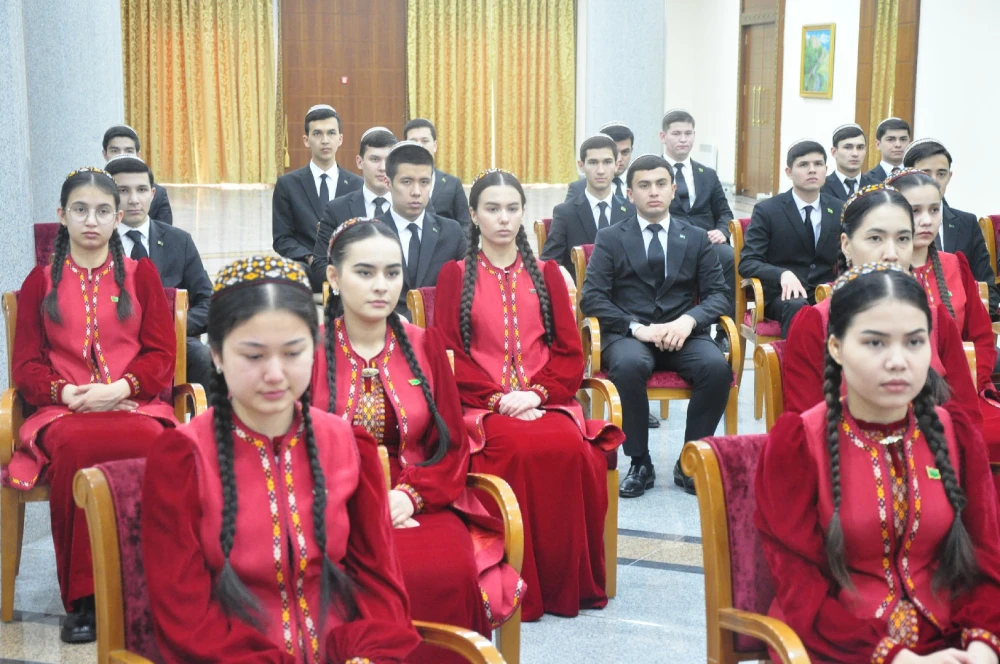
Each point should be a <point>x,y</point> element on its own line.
<point>129,164</point>
<point>380,138</point>
<point>598,142</point>
<point>335,256</point>
<point>844,133</point>
<point>322,114</point>
<point>120,131</point>
<point>679,115</point>
<point>619,133</point>
<point>922,150</point>
<point>858,208</point>
<point>60,247</point>
<point>411,153</point>
<point>891,124</point>
<point>801,149</point>
<point>228,310</point>
<point>647,162</point>
<point>418,123</point>
<point>495,179</point>
<point>957,569</point>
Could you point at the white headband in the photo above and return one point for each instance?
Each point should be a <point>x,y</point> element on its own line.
<point>921,141</point>
<point>125,155</point>
<point>616,123</point>
<point>374,129</point>
<point>406,143</point>
<point>886,120</point>
<point>319,107</point>
<point>845,126</point>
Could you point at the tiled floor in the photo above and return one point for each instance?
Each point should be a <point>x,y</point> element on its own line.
<point>659,613</point>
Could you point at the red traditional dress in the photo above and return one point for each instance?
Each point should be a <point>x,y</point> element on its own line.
<point>556,464</point>
<point>274,552</point>
<point>452,563</point>
<point>90,345</point>
<point>895,516</point>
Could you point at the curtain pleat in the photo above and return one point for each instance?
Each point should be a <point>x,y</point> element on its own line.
<point>883,67</point>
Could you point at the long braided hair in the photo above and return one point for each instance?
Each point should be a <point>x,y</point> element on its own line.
<point>86,177</point>
<point>957,568</point>
<point>231,308</point>
<point>495,178</point>
<point>856,210</point>
<point>352,231</point>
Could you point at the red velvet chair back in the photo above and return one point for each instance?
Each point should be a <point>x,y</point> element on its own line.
<point>744,222</point>
<point>167,395</point>
<point>427,293</point>
<point>45,237</point>
<point>753,586</point>
<point>588,251</point>
<point>547,222</point>
<point>995,218</point>
<point>779,350</point>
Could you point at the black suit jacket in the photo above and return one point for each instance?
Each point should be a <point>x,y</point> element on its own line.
<point>876,175</point>
<point>619,287</point>
<point>710,210</point>
<point>577,188</point>
<point>448,198</point>
<point>175,256</point>
<point>573,224</point>
<point>777,240</point>
<point>962,233</point>
<point>834,187</point>
<point>337,212</point>
<point>159,208</point>
<point>296,210</point>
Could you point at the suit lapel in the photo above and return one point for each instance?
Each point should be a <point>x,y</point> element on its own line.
<point>428,241</point>
<point>619,211</point>
<point>357,206</point>
<point>950,230</point>
<point>157,252</point>
<point>828,224</point>
<point>309,186</point>
<point>439,182</point>
<point>676,248</point>
<point>793,217</point>
<point>586,216</point>
<point>700,179</point>
<point>635,249</point>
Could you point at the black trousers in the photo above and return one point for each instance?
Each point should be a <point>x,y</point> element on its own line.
<point>724,252</point>
<point>629,363</point>
<point>784,311</point>
<point>199,363</point>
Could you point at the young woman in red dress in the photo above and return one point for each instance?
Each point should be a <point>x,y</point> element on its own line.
<point>395,380</point>
<point>93,348</point>
<point>877,511</point>
<point>519,363</point>
<point>265,525</point>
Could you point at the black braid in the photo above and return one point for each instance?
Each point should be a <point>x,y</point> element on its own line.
<point>842,266</point>
<point>331,354</point>
<point>469,288</point>
<point>957,569</point>
<point>935,259</point>
<point>118,256</point>
<point>335,585</point>
<point>835,554</point>
<point>60,247</point>
<point>538,279</point>
<point>230,591</point>
<point>444,438</point>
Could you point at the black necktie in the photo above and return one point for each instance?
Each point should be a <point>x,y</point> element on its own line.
<point>379,206</point>
<point>895,169</point>
<point>602,221</point>
<point>682,188</point>
<point>413,256</point>
<point>619,192</point>
<point>809,227</point>
<point>851,183</point>
<point>138,251</point>
<point>324,191</point>
<point>654,255</point>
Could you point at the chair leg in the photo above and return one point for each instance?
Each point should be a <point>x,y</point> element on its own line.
<point>611,537</point>
<point>732,411</point>
<point>758,396</point>
<point>11,529</point>
<point>664,409</point>
<point>509,639</point>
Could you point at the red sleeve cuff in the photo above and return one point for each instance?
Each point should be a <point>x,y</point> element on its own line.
<point>976,634</point>
<point>133,383</point>
<point>540,390</point>
<point>55,391</point>
<point>494,401</point>
<point>415,497</point>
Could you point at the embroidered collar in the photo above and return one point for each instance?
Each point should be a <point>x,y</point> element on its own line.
<point>880,434</point>
<point>245,432</point>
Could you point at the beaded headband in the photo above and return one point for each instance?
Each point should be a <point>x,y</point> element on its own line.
<point>922,141</point>
<point>861,270</point>
<point>887,120</point>
<point>616,123</point>
<point>489,171</point>
<point>861,193</point>
<point>88,169</point>
<point>374,129</point>
<point>343,227</point>
<point>891,180</point>
<point>321,107</point>
<point>260,270</point>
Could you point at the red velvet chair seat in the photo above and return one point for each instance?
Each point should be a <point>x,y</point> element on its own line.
<point>668,380</point>
<point>765,328</point>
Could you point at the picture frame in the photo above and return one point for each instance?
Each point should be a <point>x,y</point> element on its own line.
<point>816,70</point>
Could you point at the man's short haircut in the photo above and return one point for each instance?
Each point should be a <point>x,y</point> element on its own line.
<point>844,132</point>
<point>647,162</point>
<point>891,124</point>
<point>618,133</point>
<point>801,148</point>
<point>407,152</point>
<point>922,149</point>
<point>596,142</point>
<point>322,112</point>
<point>376,138</point>
<point>676,115</point>
<point>417,123</point>
<point>129,163</point>
<point>119,131</point>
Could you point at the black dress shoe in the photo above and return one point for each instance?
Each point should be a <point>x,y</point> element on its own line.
<point>80,626</point>
<point>654,421</point>
<point>682,480</point>
<point>639,479</point>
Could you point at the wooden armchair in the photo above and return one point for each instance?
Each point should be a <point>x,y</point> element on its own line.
<point>542,227</point>
<point>990,227</point>
<point>738,585</point>
<point>187,399</point>
<point>767,360</point>
<point>108,494</point>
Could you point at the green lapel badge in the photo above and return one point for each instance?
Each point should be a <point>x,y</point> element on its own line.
<point>623,209</point>
<point>933,473</point>
<point>830,210</point>
<point>414,381</point>
<point>683,237</point>
<point>701,170</point>
<point>442,178</point>
<point>114,298</point>
<point>159,242</point>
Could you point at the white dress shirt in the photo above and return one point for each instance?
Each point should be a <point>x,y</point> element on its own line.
<point>127,243</point>
<point>404,232</point>
<point>370,197</point>
<point>647,237</point>
<point>596,211</point>
<point>887,167</point>
<point>331,181</point>
<point>817,213</point>
<point>688,175</point>
<point>844,178</point>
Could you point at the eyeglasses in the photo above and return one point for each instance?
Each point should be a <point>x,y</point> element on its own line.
<point>80,213</point>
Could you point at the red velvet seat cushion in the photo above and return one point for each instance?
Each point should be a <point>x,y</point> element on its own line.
<point>744,222</point>
<point>765,328</point>
<point>547,222</point>
<point>588,251</point>
<point>428,295</point>
<point>669,380</point>
<point>45,236</point>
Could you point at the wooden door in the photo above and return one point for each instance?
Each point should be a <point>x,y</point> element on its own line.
<point>760,104</point>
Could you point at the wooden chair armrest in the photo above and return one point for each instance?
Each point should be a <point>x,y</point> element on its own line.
<point>189,398</point>
<point>11,416</point>
<point>776,634</point>
<point>463,642</point>
<point>757,315</point>
<point>984,294</point>
<point>996,328</point>
<point>610,394</point>
<point>735,350</point>
<point>126,657</point>
<point>590,336</point>
<point>513,527</point>
<point>823,291</point>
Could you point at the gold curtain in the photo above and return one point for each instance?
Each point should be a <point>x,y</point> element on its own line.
<point>200,88</point>
<point>883,68</point>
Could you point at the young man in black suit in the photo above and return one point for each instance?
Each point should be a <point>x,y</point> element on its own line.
<point>577,221</point>
<point>656,286</point>
<point>122,139</point>
<point>372,200</point>
<point>624,140</point>
<point>793,239</point>
<point>891,138</point>
<point>447,195</point>
<point>849,149</point>
<point>300,196</point>
<point>959,230</point>
<point>172,251</point>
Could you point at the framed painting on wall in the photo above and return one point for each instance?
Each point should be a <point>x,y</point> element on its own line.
<point>816,78</point>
